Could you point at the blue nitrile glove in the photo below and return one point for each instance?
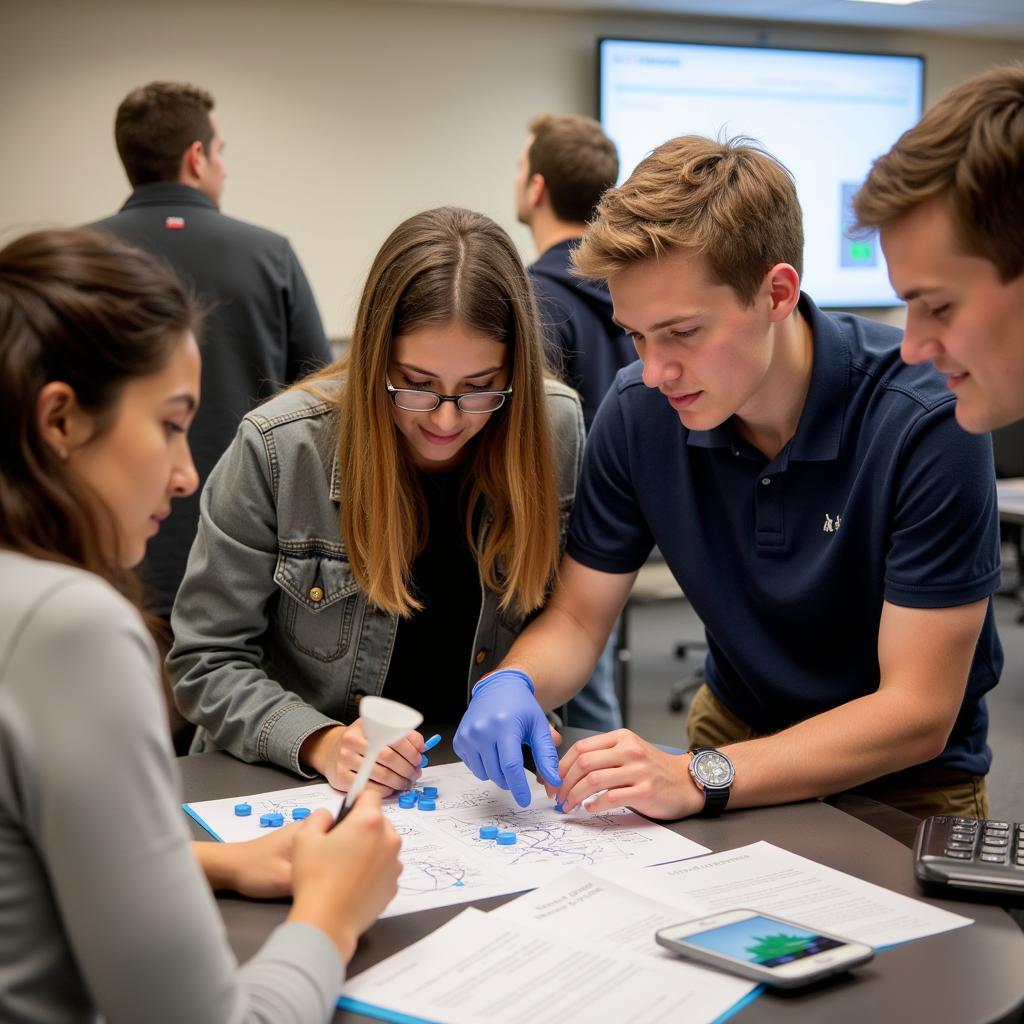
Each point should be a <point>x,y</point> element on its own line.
<point>503,714</point>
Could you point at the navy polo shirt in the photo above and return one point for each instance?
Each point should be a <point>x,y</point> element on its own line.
<point>879,496</point>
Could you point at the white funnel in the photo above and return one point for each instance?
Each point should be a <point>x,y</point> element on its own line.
<point>384,722</point>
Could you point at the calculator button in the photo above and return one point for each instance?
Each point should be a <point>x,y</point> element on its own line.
<point>993,841</point>
<point>994,858</point>
<point>1002,826</point>
<point>972,822</point>
<point>955,845</point>
<point>959,854</point>
<point>968,836</point>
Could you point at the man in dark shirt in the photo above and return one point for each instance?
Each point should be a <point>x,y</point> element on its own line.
<point>566,165</point>
<point>813,495</point>
<point>263,329</point>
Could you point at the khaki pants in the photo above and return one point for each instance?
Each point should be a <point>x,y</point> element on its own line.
<point>920,791</point>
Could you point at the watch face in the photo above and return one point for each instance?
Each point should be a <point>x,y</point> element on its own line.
<point>713,769</point>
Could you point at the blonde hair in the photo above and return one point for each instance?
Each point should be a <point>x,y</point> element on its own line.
<point>969,149</point>
<point>446,266</point>
<point>729,202</point>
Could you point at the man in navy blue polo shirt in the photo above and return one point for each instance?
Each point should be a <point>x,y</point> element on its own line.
<point>834,528</point>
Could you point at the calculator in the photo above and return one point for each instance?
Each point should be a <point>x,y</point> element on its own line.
<point>968,853</point>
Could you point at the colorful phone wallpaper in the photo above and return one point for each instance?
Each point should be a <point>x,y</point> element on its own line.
<point>762,941</point>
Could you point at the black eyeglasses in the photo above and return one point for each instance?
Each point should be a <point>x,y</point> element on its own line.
<point>427,401</point>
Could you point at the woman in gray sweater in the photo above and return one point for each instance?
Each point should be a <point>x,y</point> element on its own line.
<point>104,910</point>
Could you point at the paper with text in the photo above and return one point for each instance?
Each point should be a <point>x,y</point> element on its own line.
<point>774,881</point>
<point>479,967</point>
<point>444,859</point>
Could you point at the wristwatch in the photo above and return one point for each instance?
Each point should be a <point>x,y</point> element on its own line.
<point>714,773</point>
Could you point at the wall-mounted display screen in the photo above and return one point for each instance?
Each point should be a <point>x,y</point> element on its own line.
<point>826,115</point>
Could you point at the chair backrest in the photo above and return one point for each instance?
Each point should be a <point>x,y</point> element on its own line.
<point>1008,447</point>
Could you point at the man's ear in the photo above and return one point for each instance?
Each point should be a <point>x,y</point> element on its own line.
<point>783,288</point>
<point>61,421</point>
<point>193,161</point>
<point>536,189</point>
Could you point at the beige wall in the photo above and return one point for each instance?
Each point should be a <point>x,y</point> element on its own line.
<point>340,117</point>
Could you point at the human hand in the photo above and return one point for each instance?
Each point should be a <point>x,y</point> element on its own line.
<point>503,714</point>
<point>337,754</point>
<point>632,772</point>
<point>260,868</point>
<point>345,876</point>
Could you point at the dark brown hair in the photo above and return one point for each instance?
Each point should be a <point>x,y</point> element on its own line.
<point>94,312</point>
<point>577,161</point>
<point>440,267</point>
<point>154,126</point>
<point>968,149</point>
<point>729,202</point>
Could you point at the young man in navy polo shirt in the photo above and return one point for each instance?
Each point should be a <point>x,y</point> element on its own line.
<point>833,527</point>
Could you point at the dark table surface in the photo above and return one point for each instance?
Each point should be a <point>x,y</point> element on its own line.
<point>973,974</point>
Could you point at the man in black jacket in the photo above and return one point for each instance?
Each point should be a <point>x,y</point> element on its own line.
<point>263,329</point>
<point>567,163</point>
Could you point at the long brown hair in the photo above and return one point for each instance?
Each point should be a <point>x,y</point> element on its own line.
<point>83,308</point>
<point>439,267</point>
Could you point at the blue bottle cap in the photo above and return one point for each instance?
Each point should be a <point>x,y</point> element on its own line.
<point>298,813</point>
<point>243,810</point>
<point>427,805</point>
<point>407,800</point>
<point>430,792</point>
<point>488,831</point>
<point>271,820</point>
<point>506,839</point>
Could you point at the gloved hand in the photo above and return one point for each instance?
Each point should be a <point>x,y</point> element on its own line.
<point>503,714</point>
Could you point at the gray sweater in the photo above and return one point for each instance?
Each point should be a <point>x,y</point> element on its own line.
<point>104,912</point>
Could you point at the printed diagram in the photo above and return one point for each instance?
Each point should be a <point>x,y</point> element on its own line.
<point>444,859</point>
<point>544,838</point>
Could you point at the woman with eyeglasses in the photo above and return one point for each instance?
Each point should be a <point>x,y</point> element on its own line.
<point>105,910</point>
<point>386,526</point>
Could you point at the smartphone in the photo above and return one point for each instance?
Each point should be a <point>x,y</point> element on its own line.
<point>763,948</point>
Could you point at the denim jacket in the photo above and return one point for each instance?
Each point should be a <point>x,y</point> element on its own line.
<point>273,638</point>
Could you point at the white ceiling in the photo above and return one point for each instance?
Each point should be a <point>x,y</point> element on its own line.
<point>993,19</point>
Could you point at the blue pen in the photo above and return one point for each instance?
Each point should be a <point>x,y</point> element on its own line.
<point>429,745</point>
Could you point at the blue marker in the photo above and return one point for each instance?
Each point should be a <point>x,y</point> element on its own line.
<point>429,745</point>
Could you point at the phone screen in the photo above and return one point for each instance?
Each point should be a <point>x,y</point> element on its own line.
<point>762,941</point>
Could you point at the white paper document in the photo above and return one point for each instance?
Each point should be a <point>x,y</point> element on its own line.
<point>479,967</point>
<point>766,878</point>
<point>444,859</point>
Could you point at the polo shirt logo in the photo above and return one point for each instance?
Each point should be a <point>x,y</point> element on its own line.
<point>174,223</point>
<point>832,525</point>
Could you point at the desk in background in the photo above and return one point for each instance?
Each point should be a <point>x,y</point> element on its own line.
<point>973,974</point>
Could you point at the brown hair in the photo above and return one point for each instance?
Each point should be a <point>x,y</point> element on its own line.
<point>577,160</point>
<point>729,202</point>
<point>94,312</point>
<point>968,149</point>
<point>154,126</point>
<point>439,267</point>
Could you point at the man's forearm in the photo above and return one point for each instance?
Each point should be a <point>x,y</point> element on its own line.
<point>836,750</point>
<point>558,654</point>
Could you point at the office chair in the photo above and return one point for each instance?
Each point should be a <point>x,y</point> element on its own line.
<point>654,583</point>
